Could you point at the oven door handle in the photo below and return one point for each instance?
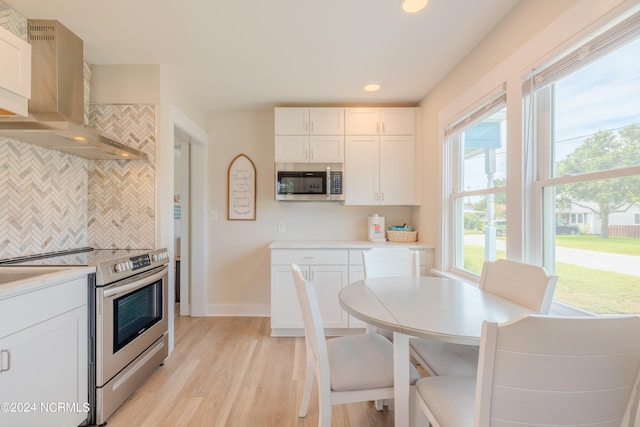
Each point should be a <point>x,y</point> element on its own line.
<point>138,284</point>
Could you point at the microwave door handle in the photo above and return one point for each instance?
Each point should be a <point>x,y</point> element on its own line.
<point>328,182</point>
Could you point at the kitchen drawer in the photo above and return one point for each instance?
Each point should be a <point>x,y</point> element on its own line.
<point>310,256</point>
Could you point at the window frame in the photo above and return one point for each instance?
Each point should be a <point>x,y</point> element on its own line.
<point>455,195</point>
<point>581,22</point>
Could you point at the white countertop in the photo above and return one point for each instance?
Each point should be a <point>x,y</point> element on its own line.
<point>341,244</point>
<point>16,280</point>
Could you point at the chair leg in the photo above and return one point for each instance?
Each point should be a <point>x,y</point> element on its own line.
<point>324,403</point>
<point>308,388</point>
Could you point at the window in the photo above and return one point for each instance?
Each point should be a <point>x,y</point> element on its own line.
<point>578,218</point>
<point>477,148</point>
<point>587,134</point>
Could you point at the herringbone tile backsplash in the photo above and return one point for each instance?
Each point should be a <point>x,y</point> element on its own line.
<point>51,201</point>
<point>43,194</point>
<point>13,21</point>
<point>122,192</point>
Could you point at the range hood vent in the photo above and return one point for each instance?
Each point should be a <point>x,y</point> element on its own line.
<point>56,107</point>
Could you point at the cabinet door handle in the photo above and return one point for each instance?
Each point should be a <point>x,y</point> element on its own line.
<point>311,155</point>
<point>311,126</point>
<point>383,129</point>
<point>2,359</point>
<point>382,197</point>
<point>306,155</point>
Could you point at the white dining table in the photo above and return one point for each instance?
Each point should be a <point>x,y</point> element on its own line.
<point>428,307</point>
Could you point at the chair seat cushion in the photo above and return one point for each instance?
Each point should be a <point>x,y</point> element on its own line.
<point>443,358</point>
<point>450,399</point>
<point>360,362</point>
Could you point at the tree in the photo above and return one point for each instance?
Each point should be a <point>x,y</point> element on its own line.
<point>603,151</point>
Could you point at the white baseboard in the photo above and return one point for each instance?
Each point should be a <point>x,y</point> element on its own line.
<point>239,310</point>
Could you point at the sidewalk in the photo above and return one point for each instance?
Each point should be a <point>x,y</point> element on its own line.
<point>605,261</point>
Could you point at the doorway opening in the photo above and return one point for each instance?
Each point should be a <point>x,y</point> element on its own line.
<point>182,220</point>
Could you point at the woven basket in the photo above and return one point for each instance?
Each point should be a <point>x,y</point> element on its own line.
<point>402,236</point>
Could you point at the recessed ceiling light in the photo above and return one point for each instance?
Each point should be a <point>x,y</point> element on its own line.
<point>79,138</point>
<point>372,87</point>
<point>413,6</point>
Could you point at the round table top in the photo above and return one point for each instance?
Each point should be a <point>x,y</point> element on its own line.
<point>427,307</point>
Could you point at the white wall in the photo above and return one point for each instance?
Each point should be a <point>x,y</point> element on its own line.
<point>125,84</point>
<point>239,260</point>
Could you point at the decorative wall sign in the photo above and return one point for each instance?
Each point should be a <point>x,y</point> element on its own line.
<point>241,198</point>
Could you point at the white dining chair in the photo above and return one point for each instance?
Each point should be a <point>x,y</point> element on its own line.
<point>389,261</point>
<point>348,369</point>
<point>544,371</point>
<point>524,284</point>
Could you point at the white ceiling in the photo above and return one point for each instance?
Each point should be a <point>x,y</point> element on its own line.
<point>237,54</point>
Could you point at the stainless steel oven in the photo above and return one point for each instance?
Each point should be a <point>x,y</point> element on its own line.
<point>131,336</point>
<point>131,326</point>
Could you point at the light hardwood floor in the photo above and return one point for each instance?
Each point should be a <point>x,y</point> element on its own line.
<point>230,372</point>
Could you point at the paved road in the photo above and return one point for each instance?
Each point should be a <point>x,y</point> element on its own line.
<point>625,264</point>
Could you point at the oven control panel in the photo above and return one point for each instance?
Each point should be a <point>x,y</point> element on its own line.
<point>121,268</point>
<point>140,261</point>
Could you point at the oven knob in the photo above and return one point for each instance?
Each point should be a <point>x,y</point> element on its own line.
<point>160,256</point>
<point>118,267</point>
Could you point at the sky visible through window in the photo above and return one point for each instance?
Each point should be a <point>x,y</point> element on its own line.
<point>604,95</point>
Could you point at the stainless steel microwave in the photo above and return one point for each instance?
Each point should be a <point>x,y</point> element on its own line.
<point>309,181</point>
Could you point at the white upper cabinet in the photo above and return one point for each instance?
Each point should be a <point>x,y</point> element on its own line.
<point>309,121</point>
<point>380,121</point>
<point>15,74</point>
<point>380,156</point>
<point>380,170</point>
<point>314,135</point>
<point>291,121</point>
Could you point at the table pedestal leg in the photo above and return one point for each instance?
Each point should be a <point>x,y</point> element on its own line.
<point>401,379</point>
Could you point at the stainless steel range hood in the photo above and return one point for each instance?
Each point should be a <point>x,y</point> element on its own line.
<point>56,107</point>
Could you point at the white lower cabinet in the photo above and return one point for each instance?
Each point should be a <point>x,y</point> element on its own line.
<point>44,356</point>
<point>329,270</point>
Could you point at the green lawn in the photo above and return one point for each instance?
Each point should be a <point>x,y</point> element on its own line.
<point>616,245</point>
<point>596,291</point>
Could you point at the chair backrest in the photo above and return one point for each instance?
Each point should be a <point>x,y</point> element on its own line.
<point>560,371</point>
<point>313,328</point>
<point>527,285</point>
<point>380,262</point>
